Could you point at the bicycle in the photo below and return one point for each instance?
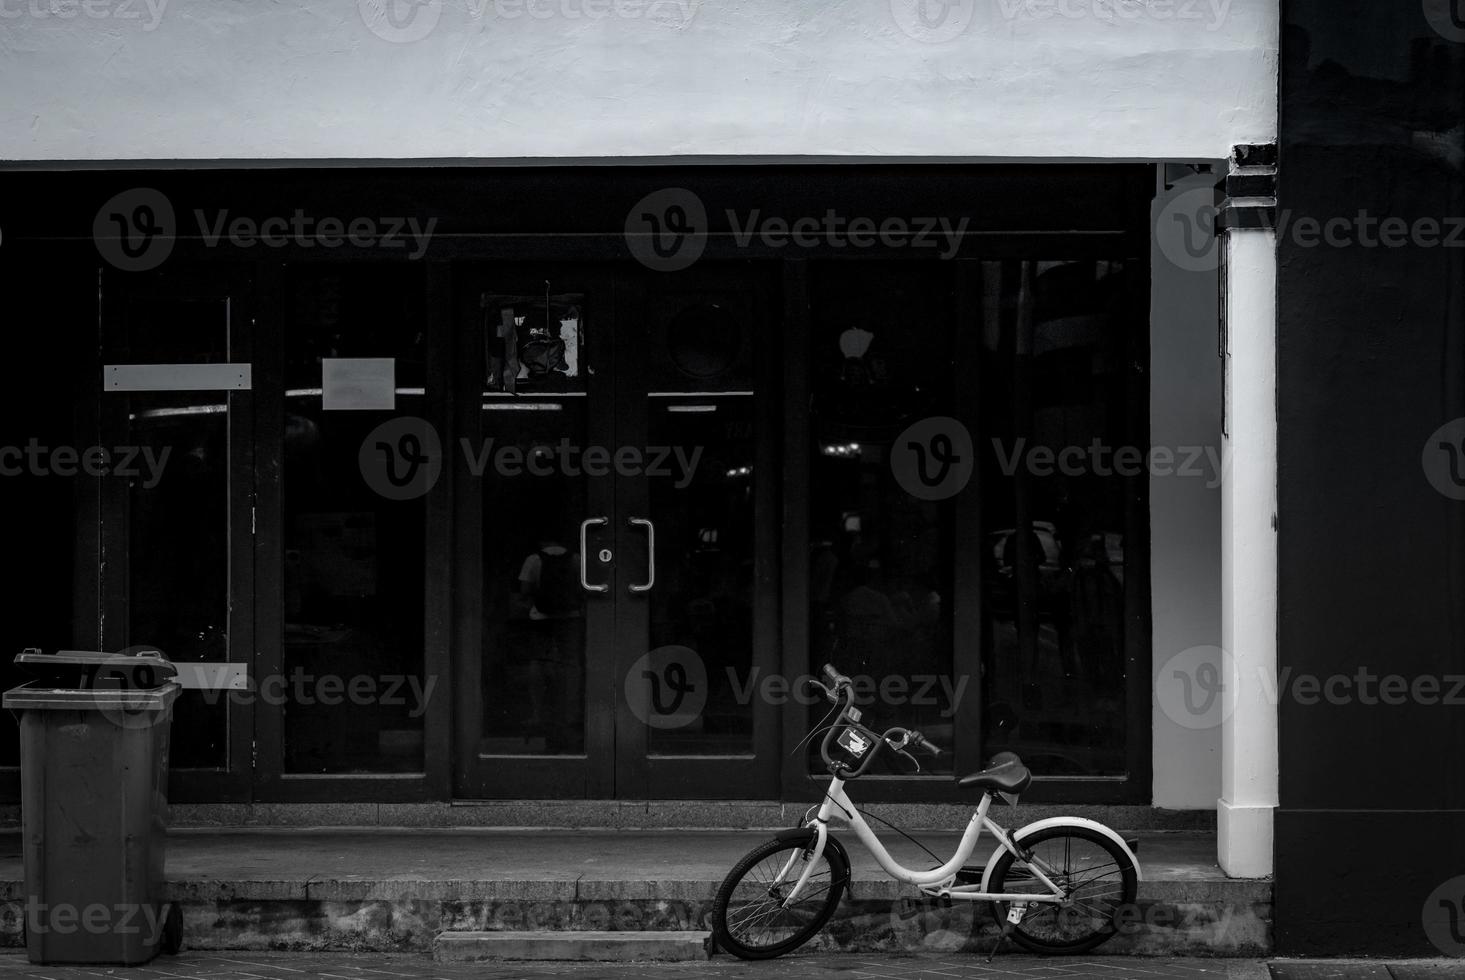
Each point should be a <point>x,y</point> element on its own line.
<point>1044,894</point>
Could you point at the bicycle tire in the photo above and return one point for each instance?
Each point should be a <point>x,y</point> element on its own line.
<point>1091,913</point>
<point>763,863</point>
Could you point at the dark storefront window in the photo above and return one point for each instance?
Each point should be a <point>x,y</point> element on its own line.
<point>1055,350</point>
<point>178,512</point>
<point>1033,363</point>
<point>354,691</point>
<point>881,559</point>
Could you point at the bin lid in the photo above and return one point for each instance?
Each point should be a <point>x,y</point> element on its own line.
<point>92,670</point>
<point>121,705</point>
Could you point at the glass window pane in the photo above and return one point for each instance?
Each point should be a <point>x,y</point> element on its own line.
<point>178,555</point>
<point>881,559</point>
<point>354,692</point>
<point>533,409</point>
<point>1053,379</point>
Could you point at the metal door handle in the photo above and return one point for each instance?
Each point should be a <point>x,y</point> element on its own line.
<point>650,554</point>
<point>585,527</point>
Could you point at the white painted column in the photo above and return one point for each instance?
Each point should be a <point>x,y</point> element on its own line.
<point>1249,549</point>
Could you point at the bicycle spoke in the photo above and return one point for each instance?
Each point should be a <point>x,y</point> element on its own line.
<point>757,915</point>
<point>1091,875</point>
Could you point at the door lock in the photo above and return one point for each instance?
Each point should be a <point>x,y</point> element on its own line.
<point>605,556</point>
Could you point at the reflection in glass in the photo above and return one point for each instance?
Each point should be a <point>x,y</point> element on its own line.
<point>178,508</point>
<point>880,559</point>
<point>534,495</point>
<point>534,610</point>
<point>1053,377</point>
<point>178,562</point>
<point>702,504</point>
<point>353,688</point>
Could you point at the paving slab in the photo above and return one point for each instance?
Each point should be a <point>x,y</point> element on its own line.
<point>619,947</point>
<point>1328,970</point>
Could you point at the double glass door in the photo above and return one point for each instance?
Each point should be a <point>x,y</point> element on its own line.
<point>619,477</point>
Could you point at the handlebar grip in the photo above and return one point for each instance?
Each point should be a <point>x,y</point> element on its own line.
<point>835,677</point>
<point>919,740</point>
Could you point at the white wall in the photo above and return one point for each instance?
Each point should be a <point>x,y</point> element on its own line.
<point>1185,510</point>
<point>307,79</point>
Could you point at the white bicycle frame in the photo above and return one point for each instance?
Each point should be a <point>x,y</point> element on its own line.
<point>937,882</point>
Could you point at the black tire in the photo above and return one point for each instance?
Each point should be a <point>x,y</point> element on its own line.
<point>747,918</point>
<point>1106,882</point>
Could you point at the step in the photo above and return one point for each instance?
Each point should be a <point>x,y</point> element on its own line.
<point>617,947</point>
<point>651,815</point>
<point>398,890</point>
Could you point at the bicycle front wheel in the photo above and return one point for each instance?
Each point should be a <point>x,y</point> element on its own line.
<point>1096,875</point>
<point>752,917</point>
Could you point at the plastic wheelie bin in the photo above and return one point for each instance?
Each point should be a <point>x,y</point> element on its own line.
<point>94,780</point>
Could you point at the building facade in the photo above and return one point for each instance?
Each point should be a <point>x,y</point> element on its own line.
<point>516,401</point>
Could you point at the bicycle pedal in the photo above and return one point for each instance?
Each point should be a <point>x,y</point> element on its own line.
<point>1132,843</point>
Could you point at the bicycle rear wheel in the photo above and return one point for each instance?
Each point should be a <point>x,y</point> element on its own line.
<point>750,917</point>
<point>1095,873</point>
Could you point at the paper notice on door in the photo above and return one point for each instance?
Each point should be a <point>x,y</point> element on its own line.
<point>358,383</point>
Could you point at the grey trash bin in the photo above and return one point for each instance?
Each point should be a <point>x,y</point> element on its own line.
<point>94,780</point>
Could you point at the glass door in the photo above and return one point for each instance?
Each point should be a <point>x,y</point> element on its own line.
<point>697,629</point>
<point>177,535</point>
<point>618,611</point>
<point>535,647</point>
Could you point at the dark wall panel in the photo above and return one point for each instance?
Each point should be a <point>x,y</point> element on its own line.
<point>1371,350</point>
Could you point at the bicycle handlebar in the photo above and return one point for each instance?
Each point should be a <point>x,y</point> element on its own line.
<point>842,685</point>
<point>836,678</point>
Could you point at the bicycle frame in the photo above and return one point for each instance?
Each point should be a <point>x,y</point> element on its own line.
<point>937,882</point>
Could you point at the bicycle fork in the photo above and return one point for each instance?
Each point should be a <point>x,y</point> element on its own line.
<point>821,835</point>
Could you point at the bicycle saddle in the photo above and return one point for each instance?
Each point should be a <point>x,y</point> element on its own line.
<point>1008,777</point>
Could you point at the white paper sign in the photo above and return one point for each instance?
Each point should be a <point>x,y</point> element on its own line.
<point>358,383</point>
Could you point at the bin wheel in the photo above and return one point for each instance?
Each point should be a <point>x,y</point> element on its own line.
<point>172,930</point>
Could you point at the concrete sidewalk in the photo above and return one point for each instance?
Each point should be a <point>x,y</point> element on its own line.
<point>284,966</point>
<point>325,865</point>
<point>397,890</point>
